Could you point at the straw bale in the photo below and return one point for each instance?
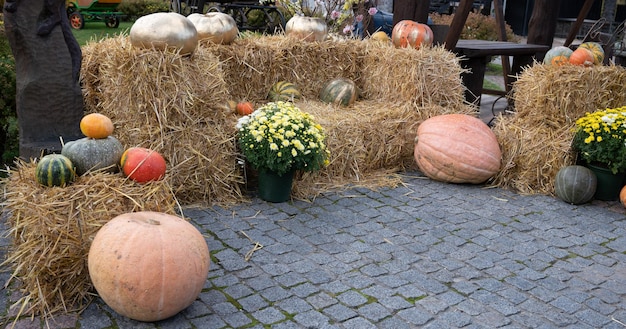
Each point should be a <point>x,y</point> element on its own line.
<point>429,76</point>
<point>536,138</point>
<point>52,228</point>
<point>363,152</point>
<point>172,104</point>
<point>175,104</point>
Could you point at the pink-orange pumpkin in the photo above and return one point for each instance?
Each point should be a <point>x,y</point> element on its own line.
<point>143,165</point>
<point>457,148</point>
<point>407,33</point>
<point>148,266</point>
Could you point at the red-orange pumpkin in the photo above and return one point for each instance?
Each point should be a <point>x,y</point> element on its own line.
<point>148,266</point>
<point>457,148</point>
<point>143,165</point>
<point>244,108</point>
<point>582,56</point>
<point>407,33</point>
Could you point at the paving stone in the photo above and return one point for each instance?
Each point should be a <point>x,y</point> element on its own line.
<point>268,315</point>
<point>339,312</point>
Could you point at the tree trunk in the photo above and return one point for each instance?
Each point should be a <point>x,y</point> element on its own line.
<point>415,10</point>
<point>541,27</point>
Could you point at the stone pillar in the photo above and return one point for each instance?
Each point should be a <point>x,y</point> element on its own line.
<point>47,65</point>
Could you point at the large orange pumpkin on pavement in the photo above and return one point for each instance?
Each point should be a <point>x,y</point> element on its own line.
<point>457,148</point>
<point>407,33</point>
<point>148,266</point>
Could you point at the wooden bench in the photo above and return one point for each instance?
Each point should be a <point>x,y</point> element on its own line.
<point>477,53</point>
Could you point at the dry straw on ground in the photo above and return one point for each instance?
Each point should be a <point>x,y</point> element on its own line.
<point>536,138</point>
<point>52,228</point>
<point>176,104</point>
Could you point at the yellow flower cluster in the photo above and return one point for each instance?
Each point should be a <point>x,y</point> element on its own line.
<point>601,137</point>
<point>280,137</point>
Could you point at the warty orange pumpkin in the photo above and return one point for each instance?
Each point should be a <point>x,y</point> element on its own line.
<point>582,56</point>
<point>407,33</point>
<point>148,266</point>
<point>457,148</point>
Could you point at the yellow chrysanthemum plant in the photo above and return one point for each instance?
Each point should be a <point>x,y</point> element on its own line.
<point>600,138</point>
<point>279,137</point>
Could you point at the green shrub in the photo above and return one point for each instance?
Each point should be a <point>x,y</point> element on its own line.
<point>9,143</point>
<point>477,26</point>
<point>134,9</point>
<point>8,114</point>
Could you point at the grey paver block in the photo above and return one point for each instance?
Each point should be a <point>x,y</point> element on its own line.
<point>294,305</point>
<point>358,323</point>
<point>209,322</point>
<point>305,289</point>
<point>224,308</point>
<point>352,298</point>
<point>374,312</point>
<point>268,315</point>
<point>415,316</point>
<point>237,319</point>
<point>566,304</point>
<point>339,312</point>
<point>253,303</point>
<point>238,290</point>
<point>321,300</point>
<point>312,319</point>
<point>274,294</point>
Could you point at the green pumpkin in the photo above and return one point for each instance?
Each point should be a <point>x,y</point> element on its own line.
<point>340,91</point>
<point>90,154</point>
<point>558,56</point>
<point>596,49</point>
<point>575,184</point>
<point>54,170</point>
<point>284,91</point>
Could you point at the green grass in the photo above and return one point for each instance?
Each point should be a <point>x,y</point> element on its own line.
<point>96,31</point>
<point>493,69</point>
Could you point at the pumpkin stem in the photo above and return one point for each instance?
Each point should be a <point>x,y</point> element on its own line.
<point>153,221</point>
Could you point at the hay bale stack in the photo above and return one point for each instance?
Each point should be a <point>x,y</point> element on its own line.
<point>52,229</point>
<point>175,104</point>
<point>536,138</point>
<point>425,77</point>
<point>172,104</point>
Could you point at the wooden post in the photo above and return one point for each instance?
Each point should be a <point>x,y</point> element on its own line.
<point>415,10</point>
<point>458,22</point>
<point>579,22</point>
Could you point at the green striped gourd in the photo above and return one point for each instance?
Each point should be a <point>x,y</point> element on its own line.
<point>55,170</point>
<point>284,91</point>
<point>340,91</point>
<point>575,184</point>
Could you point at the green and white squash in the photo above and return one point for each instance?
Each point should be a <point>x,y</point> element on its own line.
<point>340,91</point>
<point>284,91</point>
<point>90,154</point>
<point>55,170</point>
<point>558,56</point>
<point>575,184</point>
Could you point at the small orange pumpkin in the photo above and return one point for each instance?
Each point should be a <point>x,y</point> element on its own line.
<point>457,148</point>
<point>143,165</point>
<point>582,56</point>
<point>244,108</point>
<point>96,125</point>
<point>148,266</point>
<point>622,196</point>
<point>407,33</point>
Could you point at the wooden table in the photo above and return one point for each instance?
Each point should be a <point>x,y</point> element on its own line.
<point>477,53</point>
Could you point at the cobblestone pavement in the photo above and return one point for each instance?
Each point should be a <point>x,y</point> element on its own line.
<point>423,255</point>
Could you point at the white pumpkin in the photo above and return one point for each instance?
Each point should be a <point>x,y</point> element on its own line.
<point>306,28</point>
<point>164,31</point>
<point>217,27</point>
